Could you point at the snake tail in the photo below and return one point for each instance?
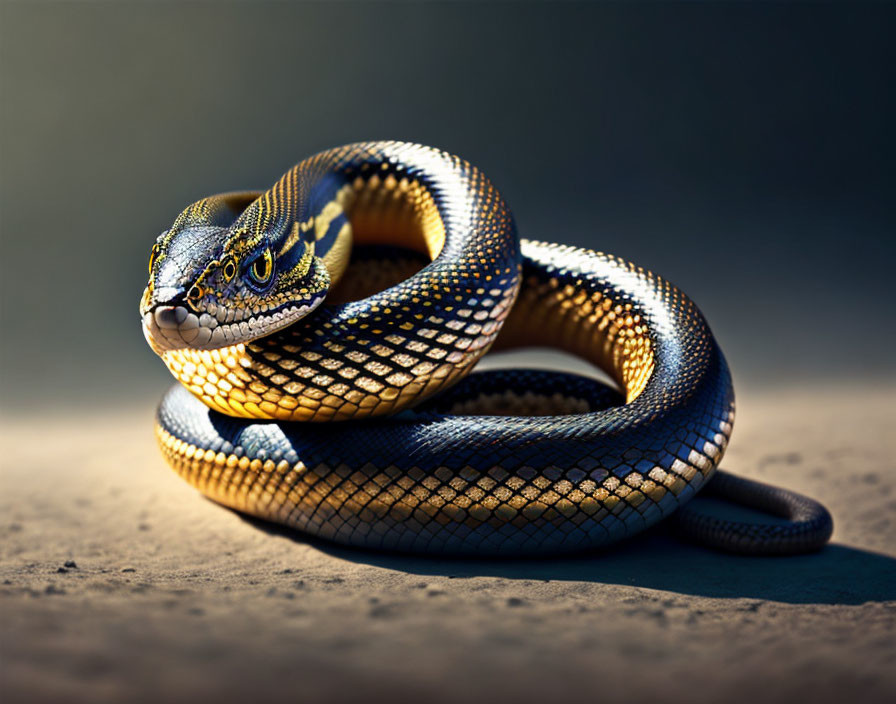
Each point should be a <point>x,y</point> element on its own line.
<point>807,526</point>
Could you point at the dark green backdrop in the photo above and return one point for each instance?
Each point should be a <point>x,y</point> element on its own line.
<point>746,152</point>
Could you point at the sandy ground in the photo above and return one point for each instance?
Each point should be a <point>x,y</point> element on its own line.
<point>120,583</point>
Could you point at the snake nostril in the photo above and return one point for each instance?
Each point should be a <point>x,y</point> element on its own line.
<point>170,316</point>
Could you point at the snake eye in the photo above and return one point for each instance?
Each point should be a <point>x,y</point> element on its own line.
<point>229,269</point>
<point>153,257</point>
<point>262,268</point>
<point>195,293</point>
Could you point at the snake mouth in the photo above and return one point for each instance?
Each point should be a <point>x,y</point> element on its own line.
<point>176,327</point>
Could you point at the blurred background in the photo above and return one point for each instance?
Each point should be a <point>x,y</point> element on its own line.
<point>744,151</point>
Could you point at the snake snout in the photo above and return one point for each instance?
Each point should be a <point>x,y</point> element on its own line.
<point>172,327</point>
<point>170,317</point>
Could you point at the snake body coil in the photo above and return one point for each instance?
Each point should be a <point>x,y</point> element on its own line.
<point>235,308</point>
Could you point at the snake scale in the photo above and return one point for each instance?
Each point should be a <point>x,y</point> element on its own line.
<point>324,383</point>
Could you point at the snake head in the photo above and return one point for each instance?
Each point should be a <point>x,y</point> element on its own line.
<point>214,282</point>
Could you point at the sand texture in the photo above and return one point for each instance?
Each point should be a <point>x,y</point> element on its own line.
<point>119,582</point>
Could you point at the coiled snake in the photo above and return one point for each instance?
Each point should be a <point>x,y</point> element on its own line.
<point>235,308</point>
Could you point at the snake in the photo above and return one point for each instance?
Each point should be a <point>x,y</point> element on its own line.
<point>323,333</point>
